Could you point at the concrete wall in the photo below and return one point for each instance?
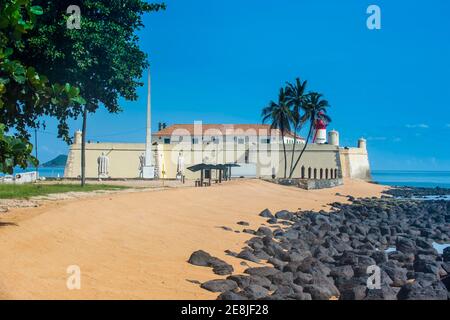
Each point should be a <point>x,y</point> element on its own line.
<point>320,161</point>
<point>255,160</point>
<point>317,158</point>
<point>355,163</point>
<point>123,159</point>
<point>310,184</point>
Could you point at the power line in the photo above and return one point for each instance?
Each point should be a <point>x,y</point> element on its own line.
<point>118,133</point>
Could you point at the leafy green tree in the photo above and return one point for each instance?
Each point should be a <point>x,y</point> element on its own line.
<point>102,58</point>
<point>280,116</point>
<point>25,94</point>
<point>315,109</point>
<point>14,151</point>
<point>296,97</point>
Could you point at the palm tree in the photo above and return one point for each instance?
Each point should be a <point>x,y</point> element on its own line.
<point>280,117</point>
<point>315,109</point>
<point>295,99</point>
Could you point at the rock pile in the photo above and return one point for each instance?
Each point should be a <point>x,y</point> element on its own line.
<point>204,259</point>
<point>407,192</point>
<point>324,256</point>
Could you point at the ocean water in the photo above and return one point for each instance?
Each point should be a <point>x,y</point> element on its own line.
<point>53,172</point>
<point>438,246</point>
<point>428,179</point>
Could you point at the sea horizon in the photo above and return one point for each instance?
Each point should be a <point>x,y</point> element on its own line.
<point>400,178</point>
<point>412,178</point>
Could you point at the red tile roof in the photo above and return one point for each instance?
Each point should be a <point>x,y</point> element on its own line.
<point>220,129</point>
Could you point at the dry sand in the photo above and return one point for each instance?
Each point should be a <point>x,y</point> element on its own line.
<point>135,245</point>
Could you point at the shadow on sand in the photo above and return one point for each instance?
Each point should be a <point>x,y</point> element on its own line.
<point>8,224</point>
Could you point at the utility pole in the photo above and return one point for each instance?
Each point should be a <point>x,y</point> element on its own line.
<point>36,147</point>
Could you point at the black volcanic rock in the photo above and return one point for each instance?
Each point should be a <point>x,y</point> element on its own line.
<point>284,215</point>
<point>241,280</point>
<point>255,292</point>
<point>320,255</point>
<point>219,285</point>
<point>414,291</point>
<point>204,259</point>
<point>385,293</point>
<point>246,254</point>
<point>406,245</point>
<point>266,214</point>
<point>222,268</point>
<point>261,271</point>
<point>446,254</point>
<point>232,296</point>
<point>200,258</point>
<point>264,231</point>
<point>352,290</point>
<point>322,288</point>
<point>342,272</point>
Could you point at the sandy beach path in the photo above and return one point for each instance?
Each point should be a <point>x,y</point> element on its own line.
<point>135,245</point>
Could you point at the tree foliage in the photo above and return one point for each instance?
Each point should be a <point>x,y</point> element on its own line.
<point>102,58</point>
<point>280,116</point>
<point>296,97</point>
<point>25,94</point>
<point>315,108</point>
<point>13,152</point>
<point>295,109</point>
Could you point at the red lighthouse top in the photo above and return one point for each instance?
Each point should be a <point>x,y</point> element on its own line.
<point>320,124</point>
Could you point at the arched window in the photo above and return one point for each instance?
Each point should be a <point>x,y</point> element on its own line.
<point>321,173</point>
<point>315,173</point>
<point>303,172</point>
<point>326,173</point>
<point>336,173</point>
<point>309,173</point>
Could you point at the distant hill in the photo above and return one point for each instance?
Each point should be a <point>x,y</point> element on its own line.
<point>59,161</point>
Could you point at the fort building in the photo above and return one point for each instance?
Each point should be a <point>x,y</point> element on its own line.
<point>250,151</point>
<point>256,149</point>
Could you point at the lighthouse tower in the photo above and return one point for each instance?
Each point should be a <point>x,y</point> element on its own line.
<point>320,136</point>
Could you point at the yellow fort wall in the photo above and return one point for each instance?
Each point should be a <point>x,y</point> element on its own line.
<point>124,159</point>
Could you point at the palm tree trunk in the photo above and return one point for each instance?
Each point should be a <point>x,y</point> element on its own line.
<point>293,151</point>
<point>285,155</point>
<point>301,153</point>
<point>83,149</point>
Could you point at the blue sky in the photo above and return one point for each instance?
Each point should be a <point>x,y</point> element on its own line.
<point>223,61</point>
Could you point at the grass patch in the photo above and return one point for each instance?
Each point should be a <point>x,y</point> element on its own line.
<point>24,191</point>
